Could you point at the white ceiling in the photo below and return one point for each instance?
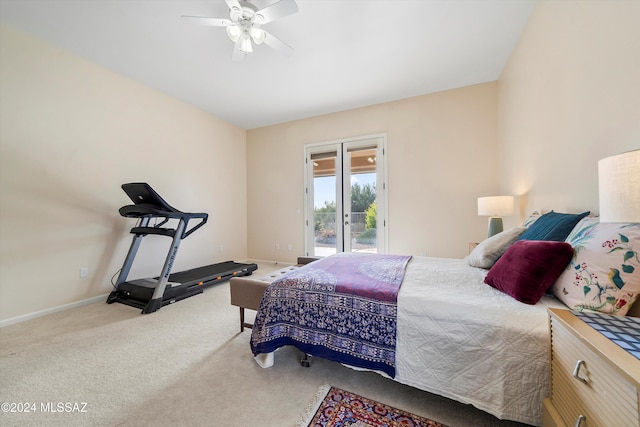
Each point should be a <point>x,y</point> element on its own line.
<point>348,53</point>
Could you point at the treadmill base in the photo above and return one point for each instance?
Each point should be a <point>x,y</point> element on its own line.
<point>184,284</point>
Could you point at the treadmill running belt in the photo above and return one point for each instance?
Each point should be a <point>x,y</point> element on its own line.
<point>212,272</point>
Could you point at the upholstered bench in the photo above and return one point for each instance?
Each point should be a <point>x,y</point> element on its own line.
<point>246,292</point>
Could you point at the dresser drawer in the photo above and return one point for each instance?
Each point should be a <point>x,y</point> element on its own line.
<point>603,396</point>
<point>550,415</point>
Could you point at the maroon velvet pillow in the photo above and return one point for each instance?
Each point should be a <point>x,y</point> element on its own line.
<point>528,268</point>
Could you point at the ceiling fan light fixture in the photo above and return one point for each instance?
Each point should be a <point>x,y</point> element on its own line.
<point>234,31</point>
<point>258,35</point>
<point>245,44</point>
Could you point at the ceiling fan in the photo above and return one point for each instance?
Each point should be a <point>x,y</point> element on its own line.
<point>244,25</point>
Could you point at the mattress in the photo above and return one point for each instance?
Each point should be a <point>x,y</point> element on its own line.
<point>462,339</point>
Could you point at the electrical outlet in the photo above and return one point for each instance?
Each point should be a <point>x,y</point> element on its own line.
<point>84,272</point>
<point>221,248</point>
<point>290,247</point>
<point>277,246</point>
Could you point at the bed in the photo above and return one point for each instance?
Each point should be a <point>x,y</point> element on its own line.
<point>454,329</point>
<point>464,340</point>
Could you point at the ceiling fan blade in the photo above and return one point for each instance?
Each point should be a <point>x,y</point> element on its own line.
<point>277,44</point>
<point>210,22</point>
<point>277,10</point>
<point>238,55</point>
<point>233,3</point>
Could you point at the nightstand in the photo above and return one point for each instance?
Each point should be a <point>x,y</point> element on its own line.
<point>594,380</point>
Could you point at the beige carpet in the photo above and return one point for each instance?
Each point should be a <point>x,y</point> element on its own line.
<point>185,365</point>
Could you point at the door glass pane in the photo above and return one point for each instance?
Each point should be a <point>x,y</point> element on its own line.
<point>324,204</point>
<point>363,229</point>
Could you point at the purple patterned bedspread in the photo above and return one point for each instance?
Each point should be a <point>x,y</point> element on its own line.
<point>341,308</point>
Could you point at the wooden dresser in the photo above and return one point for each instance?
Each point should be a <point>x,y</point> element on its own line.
<point>594,381</point>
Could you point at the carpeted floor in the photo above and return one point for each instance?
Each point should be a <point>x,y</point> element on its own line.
<point>187,364</point>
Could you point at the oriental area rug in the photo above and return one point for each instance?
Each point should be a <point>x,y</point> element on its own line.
<point>334,407</point>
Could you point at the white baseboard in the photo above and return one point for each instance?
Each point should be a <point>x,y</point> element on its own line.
<point>29,316</point>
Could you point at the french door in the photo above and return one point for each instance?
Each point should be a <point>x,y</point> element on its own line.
<point>345,196</point>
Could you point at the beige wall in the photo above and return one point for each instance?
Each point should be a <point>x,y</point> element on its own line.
<point>442,155</point>
<point>70,134</point>
<point>569,96</point>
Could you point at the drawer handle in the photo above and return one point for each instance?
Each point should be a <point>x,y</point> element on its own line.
<point>580,419</point>
<point>576,375</point>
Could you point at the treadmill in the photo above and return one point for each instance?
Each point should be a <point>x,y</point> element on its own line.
<point>151,294</point>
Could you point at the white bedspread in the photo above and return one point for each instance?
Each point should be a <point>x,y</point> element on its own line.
<point>460,338</point>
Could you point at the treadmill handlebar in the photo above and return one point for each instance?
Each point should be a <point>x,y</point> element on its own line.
<point>203,221</point>
<point>149,204</point>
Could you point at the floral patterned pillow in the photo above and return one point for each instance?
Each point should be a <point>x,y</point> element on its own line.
<point>604,274</point>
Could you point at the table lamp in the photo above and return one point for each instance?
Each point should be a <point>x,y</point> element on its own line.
<point>619,187</point>
<point>495,207</point>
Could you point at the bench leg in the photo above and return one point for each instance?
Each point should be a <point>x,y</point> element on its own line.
<point>244,324</point>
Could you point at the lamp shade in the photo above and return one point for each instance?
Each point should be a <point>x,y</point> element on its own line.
<point>495,206</point>
<point>619,187</point>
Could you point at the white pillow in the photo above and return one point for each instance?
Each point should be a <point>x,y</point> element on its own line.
<point>489,250</point>
<point>531,219</point>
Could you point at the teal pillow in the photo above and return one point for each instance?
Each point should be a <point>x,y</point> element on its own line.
<point>552,226</point>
